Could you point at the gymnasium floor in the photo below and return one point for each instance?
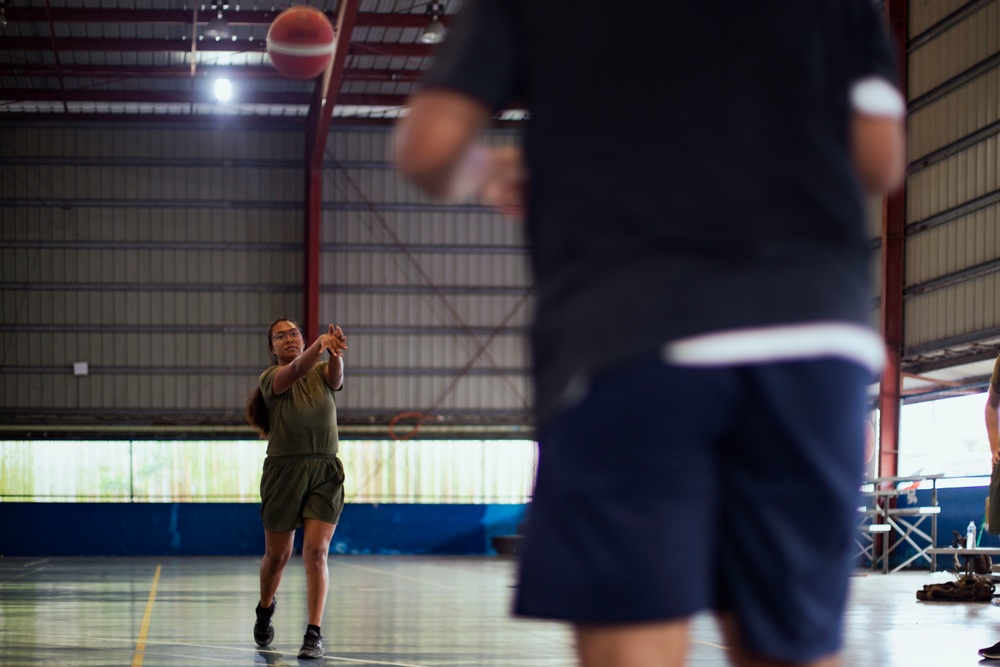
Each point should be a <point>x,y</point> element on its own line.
<point>401,611</point>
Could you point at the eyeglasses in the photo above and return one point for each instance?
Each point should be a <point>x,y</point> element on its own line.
<point>294,334</point>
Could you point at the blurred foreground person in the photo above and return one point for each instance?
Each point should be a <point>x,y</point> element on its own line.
<point>693,180</point>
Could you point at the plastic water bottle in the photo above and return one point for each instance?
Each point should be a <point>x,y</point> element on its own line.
<point>970,536</point>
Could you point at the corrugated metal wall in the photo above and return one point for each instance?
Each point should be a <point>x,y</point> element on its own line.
<point>953,190</point>
<point>875,210</point>
<point>158,254</point>
<point>435,299</point>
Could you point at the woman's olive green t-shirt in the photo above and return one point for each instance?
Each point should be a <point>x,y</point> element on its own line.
<point>304,418</point>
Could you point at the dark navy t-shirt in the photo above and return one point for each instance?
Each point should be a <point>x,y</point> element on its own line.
<point>689,165</point>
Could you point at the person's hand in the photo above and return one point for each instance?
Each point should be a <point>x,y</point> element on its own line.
<point>334,341</point>
<point>504,184</point>
<point>995,456</point>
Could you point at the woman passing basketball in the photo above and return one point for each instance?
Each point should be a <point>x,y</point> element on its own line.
<point>302,483</point>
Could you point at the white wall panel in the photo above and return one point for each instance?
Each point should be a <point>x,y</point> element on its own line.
<point>453,226</point>
<point>953,311</point>
<point>405,268</point>
<point>434,395</point>
<point>873,209</point>
<point>966,43</point>
<point>925,13</point>
<point>954,181</point>
<point>410,275</point>
<point>428,310</point>
<point>876,273</point>
<point>159,254</point>
<point>958,114</point>
<point>966,242</point>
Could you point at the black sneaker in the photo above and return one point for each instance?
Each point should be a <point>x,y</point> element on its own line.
<point>263,631</point>
<point>991,653</point>
<point>312,645</point>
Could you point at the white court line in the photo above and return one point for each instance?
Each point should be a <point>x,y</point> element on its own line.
<point>128,640</point>
<point>193,659</point>
<point>50,638</point>
<point>453,588</point>
<point>359,661</point>
<point>27,572</point>
<point>397,576</point>
<point>326,656</point>
<point>53,640</point>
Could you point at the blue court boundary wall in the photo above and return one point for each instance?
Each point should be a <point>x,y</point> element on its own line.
<point>227,529</point>
<point>224,529</point>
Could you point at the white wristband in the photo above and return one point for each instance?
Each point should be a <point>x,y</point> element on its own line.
<point>469,175</point>
<point>877,97</point>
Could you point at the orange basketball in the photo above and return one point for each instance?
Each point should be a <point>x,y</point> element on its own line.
<point>300,42</point>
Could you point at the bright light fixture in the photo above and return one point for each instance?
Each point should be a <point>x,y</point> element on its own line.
<point>223,90</point>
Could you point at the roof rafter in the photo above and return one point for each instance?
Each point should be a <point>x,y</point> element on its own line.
<point>183,72</point>
<point>186,97</point>
<point>175,45</point>
<point>183,17</point>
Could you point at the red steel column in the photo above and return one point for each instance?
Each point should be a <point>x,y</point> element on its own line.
<point>317,128</point>
<point>311,246</point>
<point>893,256</point>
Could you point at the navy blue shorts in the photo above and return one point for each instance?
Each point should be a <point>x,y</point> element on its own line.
<point>670,490</point>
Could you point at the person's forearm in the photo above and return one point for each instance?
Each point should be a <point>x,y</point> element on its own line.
<point>308,359</point>
<point>993,430</point>
<point>335,371</point>
<point>433,140</point>
<point>878,134</point>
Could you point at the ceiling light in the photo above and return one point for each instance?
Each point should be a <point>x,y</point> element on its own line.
<point>434,31</point>
<point>3,17</point>
<point>218,27</point>
<point>223,90</point>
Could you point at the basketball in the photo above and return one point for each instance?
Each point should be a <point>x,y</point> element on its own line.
<point>300,42</point>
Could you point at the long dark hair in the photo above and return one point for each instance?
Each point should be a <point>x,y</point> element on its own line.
<point>255,411</point>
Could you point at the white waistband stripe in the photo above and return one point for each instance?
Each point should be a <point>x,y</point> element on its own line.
<point>780,343</point>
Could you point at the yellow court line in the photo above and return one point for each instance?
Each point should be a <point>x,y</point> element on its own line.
<point>140,645</point>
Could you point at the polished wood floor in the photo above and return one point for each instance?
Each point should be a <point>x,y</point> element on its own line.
<point>400,611</point>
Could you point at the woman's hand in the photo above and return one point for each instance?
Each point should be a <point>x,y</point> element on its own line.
<point>334,341</point>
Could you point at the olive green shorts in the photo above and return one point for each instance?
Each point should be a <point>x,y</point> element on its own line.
<point>293,488</point>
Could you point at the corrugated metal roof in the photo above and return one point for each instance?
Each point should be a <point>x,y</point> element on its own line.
<point>149,57</point>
